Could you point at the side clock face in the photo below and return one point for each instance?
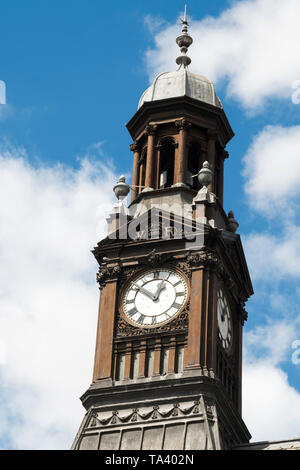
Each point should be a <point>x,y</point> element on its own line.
<point>155,297</point>
<point>224,321</point>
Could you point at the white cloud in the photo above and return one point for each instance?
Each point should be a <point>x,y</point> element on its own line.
<point>271,406</point>
<point>271,342</point>
<point>252,45</point>
<point>274,257</point>
<point>272,170</point>
<point>50,218</point>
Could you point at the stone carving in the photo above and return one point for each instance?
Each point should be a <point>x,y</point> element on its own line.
<point>183,124</point>
<point>204,257</point>
<point>243,313</point>
<point>151,129</point>
<point>156,259</point>
<point>233,224</point>
<point>155,412</point>
<point>107,273</point>
<point>134,147</point>
<point>121,189</point>
<point>180,323</point>
<point>205,175</point>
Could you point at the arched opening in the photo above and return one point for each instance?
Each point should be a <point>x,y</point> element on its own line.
<point>166,163</point>
<point>194,164</point>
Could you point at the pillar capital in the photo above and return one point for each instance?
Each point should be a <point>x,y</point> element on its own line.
<point>134,147</point>
<point>151,129</point>
<point>183,124</point>
<point>212,134</point>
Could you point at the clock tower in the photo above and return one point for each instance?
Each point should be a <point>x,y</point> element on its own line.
<point>174,282</point>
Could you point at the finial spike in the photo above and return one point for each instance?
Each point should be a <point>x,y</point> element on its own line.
<point>184,41</point>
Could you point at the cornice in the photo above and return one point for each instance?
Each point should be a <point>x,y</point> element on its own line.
<point>197,112</point>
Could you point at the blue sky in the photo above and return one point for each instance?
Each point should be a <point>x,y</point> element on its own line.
<point>74,73</point>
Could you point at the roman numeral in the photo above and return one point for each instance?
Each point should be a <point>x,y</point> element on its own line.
<point>141,319</point>
<point>177,283</point>
<point>156,274</point>
<point>179,293</point>
<point>132,312</point>
<point>153,321</point>
<point>130,301</point>
<point>175,305</point>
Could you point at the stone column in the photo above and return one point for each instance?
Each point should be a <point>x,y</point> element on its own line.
<point>157,358</point>
<point>135,173</point>
<point>211,154</point>
<point>127,365</point>
<point>172,356</point>
<point>193,352</point>
<point>105,329</point>
<point>150,163</point>
<point>142,360</point>
<point>200,351</point>
<point>157,169</point>
<point>181,155</point>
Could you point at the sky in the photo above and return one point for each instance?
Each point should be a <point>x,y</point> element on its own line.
<point>74,71</point>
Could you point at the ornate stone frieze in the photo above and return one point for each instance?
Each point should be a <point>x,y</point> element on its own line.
<point>150,413</point>
<point>204,257</point>
<point>180,323</point>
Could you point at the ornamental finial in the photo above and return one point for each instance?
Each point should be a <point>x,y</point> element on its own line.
<point>121,189</point>
<point>184,41</point>
<point>205,175</point>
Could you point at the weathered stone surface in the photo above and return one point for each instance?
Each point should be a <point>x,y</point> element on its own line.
<point>187,413</point>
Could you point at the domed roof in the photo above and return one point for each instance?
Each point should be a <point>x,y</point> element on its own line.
<point>181,83</point>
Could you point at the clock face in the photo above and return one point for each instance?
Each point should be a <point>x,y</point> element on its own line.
<point>155,297</point>
<point>224,321</point>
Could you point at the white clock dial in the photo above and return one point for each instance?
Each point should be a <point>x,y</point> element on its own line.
<point>155,297</point>
<point>224,320</point>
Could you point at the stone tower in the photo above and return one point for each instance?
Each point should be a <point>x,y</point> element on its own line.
<point>174,282</point>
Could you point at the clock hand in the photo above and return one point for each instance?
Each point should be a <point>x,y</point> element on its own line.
<point>160,287</point>
<point>145,291</point>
